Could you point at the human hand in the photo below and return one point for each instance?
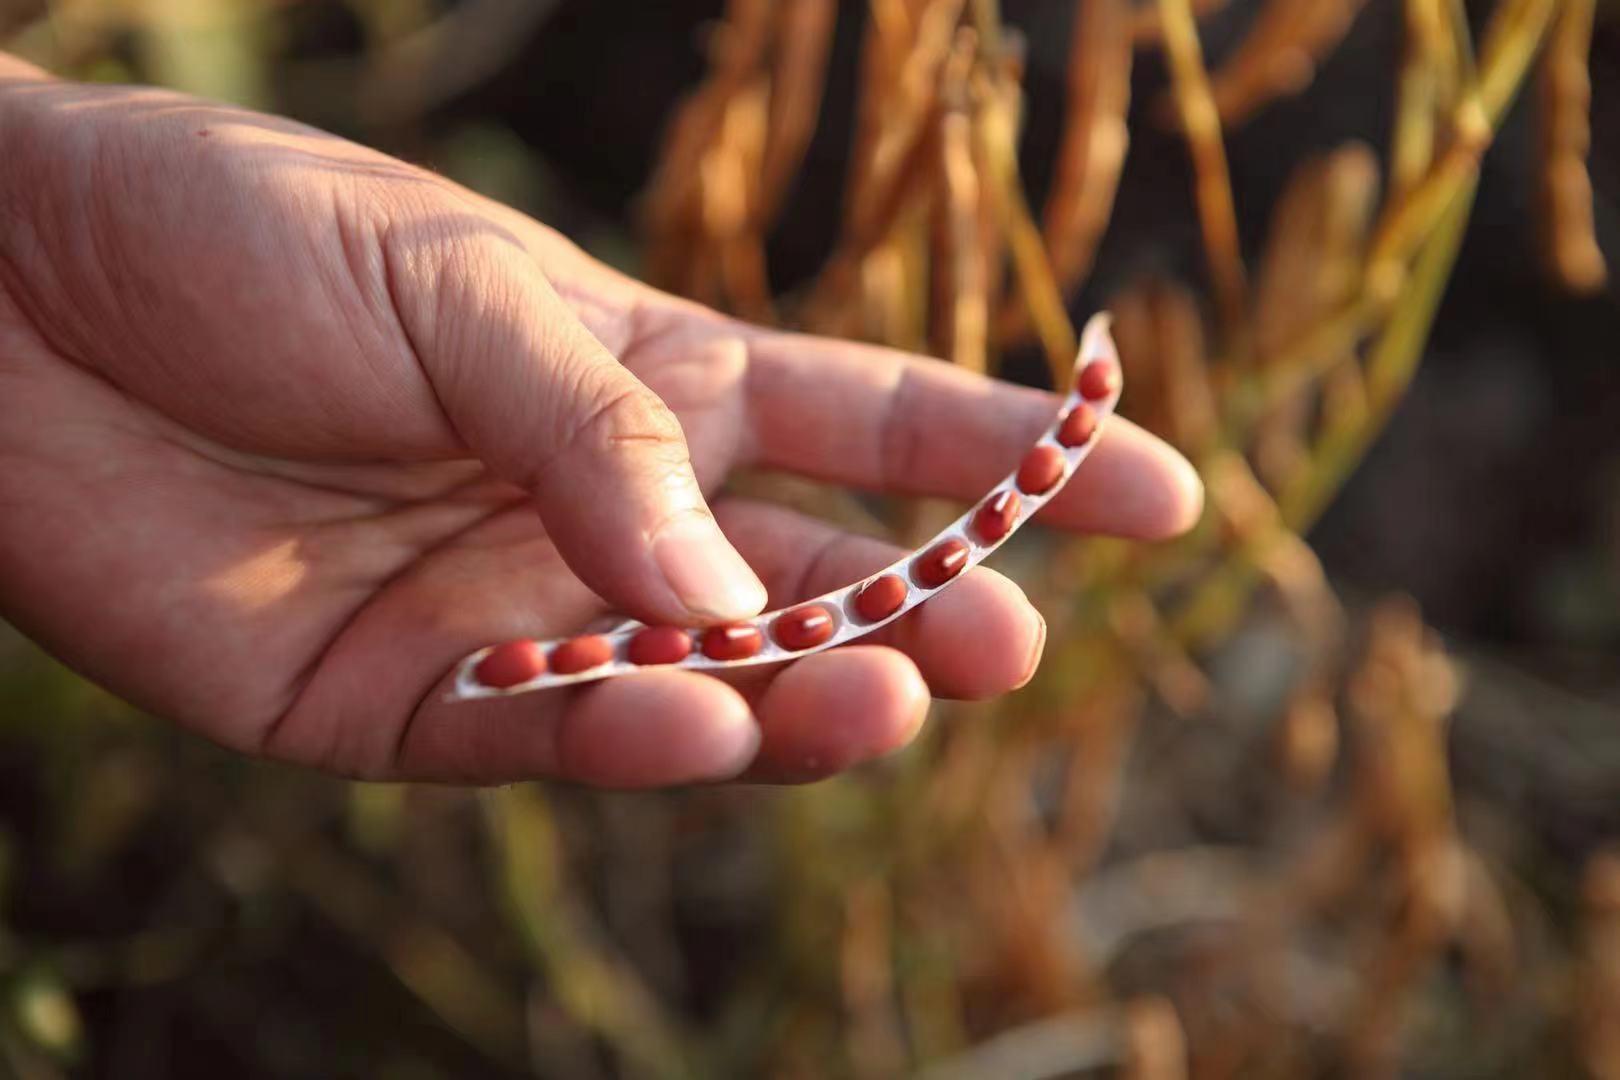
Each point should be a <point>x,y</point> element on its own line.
<point>277,413</point>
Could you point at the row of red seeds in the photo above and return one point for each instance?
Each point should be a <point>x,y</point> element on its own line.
<point>519,662</point>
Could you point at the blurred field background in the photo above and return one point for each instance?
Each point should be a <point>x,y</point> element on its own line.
<point>1330,788</point>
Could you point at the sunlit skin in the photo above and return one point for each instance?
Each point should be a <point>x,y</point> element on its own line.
<point>287,427</point>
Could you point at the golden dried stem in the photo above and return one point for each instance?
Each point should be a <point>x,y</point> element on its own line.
<point>698,206</point>
<point>866,979</point>
<point>803,38</point>
<point>429,961</point>
<point>1094,138</point>
<point>888,28</point>
<point>1310,268</point>
<point>1213,187</point>
<point>1148,29</point>
<point>1160,331</point>
<point>1462,47</point>
<point>1255,541</point>
<point>1160,659</point>
<point>963,312</point>
<point>1306,740</point>
<point>1401,699</point>
<point>864,234</point>
<point>1278,58</point>
<point>589,980</point>
<point>739,45</point>
<point>1437,65</point>
<point>1099,732</point>
<point>1568,233</point>
<point>900,99</point>
<point>1155,1043</point>
<point>894,145</point>
<point>1299,362</point>
<point>1511,40</point>
<point>729,189</point>
<point>1390,367</point>
<point>1598,989</point>
<point>986,15</point>
<point>1039,290</point>
<point>1418,93</point>
<point>1005,82</point>
<point>1406,223</point>
<point>1514,34</point>
<point>1314,245</point>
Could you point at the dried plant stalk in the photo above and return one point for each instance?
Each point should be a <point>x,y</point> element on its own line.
<point>1157,656</point>
<point>1429,82</point>
<point>898,105</point>
<point>732,150</point>
<point>1148,29</point>
<point>799,73</point>
<point>1094,138</point>
<point>730,176</point>
<point>1160,331</point>
<point>1005,84</point>
<point>1515,32</point>
<point>1416,233</point>
<point>1314,245</point>
<point>701,205</point>
<point>959,300</point>
<point>918,264</point>
<point>894,150</point>
<point>933,904</point>
<point>962,313</point>
<point>1213,186</point>
<point>1401,701</point>
<point>1098,737</point>
<point>883,54</point>
<point>1311,267</point>
<point>1278,58</point>
<point>1031,966</point>
<point>866,230</point>
<point>1156,1045</point>
<point>1389,368</point>
<point>1598,1002</point>
<point>739,46</point>
<point>1568,232</point>
<point>867,980</point>
<point>995,130</point>
<point>1307,740</point>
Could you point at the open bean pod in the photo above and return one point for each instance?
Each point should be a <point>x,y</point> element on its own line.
<point>517,667</point>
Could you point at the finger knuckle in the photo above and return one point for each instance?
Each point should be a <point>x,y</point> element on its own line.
<point>629,419</point>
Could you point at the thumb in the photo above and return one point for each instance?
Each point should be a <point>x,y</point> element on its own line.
<point>544,404</point>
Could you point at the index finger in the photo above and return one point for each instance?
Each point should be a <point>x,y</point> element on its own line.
<point>885,420</point>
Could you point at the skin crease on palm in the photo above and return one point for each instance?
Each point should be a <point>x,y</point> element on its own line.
<point>277,414</point>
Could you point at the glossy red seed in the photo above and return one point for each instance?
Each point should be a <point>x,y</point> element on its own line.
<point>511,664</point>
<point>995,516</point>
<point>803,628</point>
<point>736,642</point>
<point>659,645</point>
<point>880,598</point>
<point>1041,468</point>
<point>940,563</point>
<point>581,654</point>
<point>1079,426</point>
<point>1098,380</point>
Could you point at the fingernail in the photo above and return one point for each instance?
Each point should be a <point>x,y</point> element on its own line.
<point>1033,663</point>
<point>705,571</point>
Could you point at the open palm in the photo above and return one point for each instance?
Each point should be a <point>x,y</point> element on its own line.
<point>277,414</point>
